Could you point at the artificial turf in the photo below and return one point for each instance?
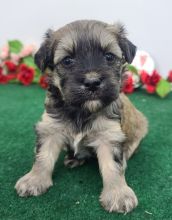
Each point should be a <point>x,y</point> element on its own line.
<point>75,193</point>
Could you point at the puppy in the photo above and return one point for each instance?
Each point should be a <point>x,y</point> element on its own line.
<point>85,112</point>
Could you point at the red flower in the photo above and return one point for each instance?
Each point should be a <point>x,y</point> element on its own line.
<point>3,78</point>
<point>25,74</point>
<point>150,88</point>
<point>150,82</point>
<point>0,70</point>
<point>128,85</point>
<point>11,76</point>
<point>43,81</point>
<point>10,66</point>
<point>170,76</point>
<point>145,78</point>
<point>155,78</point>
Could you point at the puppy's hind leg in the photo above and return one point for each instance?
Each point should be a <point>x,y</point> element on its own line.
<point>39,179</point>
<point>134,125</point>
<point>130,147</point>
<point>72,162</point>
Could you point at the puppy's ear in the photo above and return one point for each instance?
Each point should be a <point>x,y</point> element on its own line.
<point>44,56</point>
<point>127,47</point>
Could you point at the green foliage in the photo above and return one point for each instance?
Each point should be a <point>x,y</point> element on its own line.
<point>36,77</point>
<point>29,61</point>
<point>15,46</point>
<point>163,88</point>
<point>132,68</point>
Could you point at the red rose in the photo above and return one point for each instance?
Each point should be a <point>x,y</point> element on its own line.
<point>10,66</point>
<point>170,76</point>
<point>150,82</point>
<point>128,85</point>
<point>150,88</point>
<point>145,78</point>
<point>3,79</point>
<point>11,76</point>
<point>25,74</point>
<point>43,81</point>
<point>155,78</point>
<point>0,70</point>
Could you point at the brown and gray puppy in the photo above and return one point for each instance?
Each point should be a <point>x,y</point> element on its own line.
<point>85,112</point>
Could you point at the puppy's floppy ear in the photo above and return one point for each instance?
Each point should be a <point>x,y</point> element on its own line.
<point>127,47</point>
<point>44,56</point>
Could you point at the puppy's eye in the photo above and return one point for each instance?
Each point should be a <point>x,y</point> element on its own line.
<point>110,57</point>
<point>67,61</point>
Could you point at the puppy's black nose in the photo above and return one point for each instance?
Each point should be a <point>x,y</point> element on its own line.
<point>92,84</point>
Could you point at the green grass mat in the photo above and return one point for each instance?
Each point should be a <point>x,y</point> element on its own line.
<point>75,193</point>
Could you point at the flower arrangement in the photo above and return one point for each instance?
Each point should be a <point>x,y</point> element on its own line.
<point>152,83</point>
<point>142,73</point>
<point>17,65</point>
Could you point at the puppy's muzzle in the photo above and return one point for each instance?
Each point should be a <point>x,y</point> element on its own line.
<point>92,81</point>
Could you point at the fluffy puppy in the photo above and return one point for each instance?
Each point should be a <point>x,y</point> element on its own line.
<point>85,111</point>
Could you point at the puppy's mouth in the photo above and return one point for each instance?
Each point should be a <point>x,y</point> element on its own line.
<point>93,92</point>
<point>93,95</point>
<point>82,95</point>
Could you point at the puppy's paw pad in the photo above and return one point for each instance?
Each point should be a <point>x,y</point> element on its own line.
<point>122,200</point>
<point>32,185</point>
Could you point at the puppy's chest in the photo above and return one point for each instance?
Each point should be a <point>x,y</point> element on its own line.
<point>101,131</point>
<point>80,144</point>
<point>80,133</point>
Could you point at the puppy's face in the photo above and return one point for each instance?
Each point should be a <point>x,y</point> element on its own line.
<point>86,60</point>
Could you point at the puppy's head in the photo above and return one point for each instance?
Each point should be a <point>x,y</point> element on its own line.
<point>85,60</point>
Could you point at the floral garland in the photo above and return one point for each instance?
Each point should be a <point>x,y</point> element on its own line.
<point>153,83</point>
<point>17,65</point>
<point>142,73</point>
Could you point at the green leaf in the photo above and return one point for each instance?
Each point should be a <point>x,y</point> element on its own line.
<point>14,81</point>
<point>29,61</point>
<point>36,79</point>
<point>38,72</point>
<point>132,68</point>
<point>15,46</point>
<point>163,88</point>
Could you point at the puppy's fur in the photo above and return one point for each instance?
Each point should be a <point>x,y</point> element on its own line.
<point>85,111</point>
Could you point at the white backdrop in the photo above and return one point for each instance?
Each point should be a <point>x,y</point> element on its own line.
<point>149,22</point>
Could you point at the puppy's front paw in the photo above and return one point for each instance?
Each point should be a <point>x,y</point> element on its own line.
<point>32,184</point>
<point>121,200</point>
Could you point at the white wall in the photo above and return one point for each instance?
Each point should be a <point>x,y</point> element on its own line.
<point>149,22</point>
